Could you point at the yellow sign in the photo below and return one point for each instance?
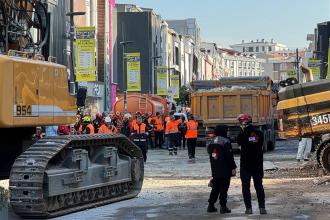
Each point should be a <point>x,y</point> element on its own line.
<point>162,80</point>
<point>133,72</point>
<point>314,65</point>
<point>175,86</point>
<point>85,54</point>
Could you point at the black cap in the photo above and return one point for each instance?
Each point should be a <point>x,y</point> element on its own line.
<point>221,130</point>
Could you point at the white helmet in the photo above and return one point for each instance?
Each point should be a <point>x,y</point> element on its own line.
<point>107,119</point>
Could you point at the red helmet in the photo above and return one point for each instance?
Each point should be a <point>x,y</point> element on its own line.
<point>98,115</point>
<point>244,118</point>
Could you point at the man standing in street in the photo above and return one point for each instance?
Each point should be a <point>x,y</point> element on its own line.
<point>159,131</point>
<point>191,136</point>
<point>304,149</point>
<point>222,166</point>
<point>140,135</point>
<point>251,141</point>
<point>172,133</point>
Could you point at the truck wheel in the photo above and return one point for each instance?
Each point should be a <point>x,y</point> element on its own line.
<point>265,145</point>
<point>271,141</point>
<point>325,158</point>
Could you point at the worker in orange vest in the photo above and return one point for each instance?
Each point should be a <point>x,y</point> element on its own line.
<point>140,136</point>
<point>172,133</point>
<point>191,136</point>
<point>87,126</point>
<point>107,127</point>
<point>159,130</point>
<point>149,121</point>
<point>137,114</point>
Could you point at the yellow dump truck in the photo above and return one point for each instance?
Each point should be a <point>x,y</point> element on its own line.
<point>220,102</point>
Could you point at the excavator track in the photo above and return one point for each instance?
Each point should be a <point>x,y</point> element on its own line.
<point>60,175</point>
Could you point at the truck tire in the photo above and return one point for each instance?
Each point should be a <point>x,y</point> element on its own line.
<point>271,141</point>
<point>265,145</point>
<point>325,158</point>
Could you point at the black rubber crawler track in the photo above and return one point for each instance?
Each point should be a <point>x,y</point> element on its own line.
<point>28,197</point>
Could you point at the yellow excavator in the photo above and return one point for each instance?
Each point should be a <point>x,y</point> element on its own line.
<point>304,111</point>
<point>55,175</point>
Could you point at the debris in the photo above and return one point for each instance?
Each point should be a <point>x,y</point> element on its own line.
<point>322,180</point>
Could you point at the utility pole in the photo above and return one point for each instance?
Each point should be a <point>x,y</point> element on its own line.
<point>154,73</point>
<point>297,65</point>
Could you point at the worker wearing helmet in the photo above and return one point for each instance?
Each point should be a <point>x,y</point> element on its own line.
<point>107,127</point>
<point>87,126</point>
<point>172,132</point>
<point>97,122</point>
<point>159,130</point>
<point>140,135</point>
<point>149,121</point>
<point>251,166</point>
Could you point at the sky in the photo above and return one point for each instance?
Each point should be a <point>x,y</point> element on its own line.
<point>227,22</point>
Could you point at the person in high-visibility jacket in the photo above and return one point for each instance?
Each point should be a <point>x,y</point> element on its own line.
<point>172,133</point>
<point>140,136</point>
<point>87,126</point>
<point>159,130</point>
<point>191,136</point>
<point>107,127</point>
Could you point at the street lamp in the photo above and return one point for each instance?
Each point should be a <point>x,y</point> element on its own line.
<point>124,44</point>
<point>154,73</point>
<point>71,14</point>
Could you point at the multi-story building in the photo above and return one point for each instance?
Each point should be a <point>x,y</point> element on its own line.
<point>235,64</point>
<point>259,47</point>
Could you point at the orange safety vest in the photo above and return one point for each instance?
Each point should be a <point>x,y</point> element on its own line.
<point>158,124</point>
<point>106,130</point>
<point>91,129</point>
<point>191,129</point>
<point>171,127</point>
<point>139,129</point>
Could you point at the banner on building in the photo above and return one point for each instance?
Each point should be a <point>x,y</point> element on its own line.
<point>85,54</point>
<point>174,90</point>
<point>133,72</point>
<point>291,73</point>
<point>162,80</point>
<point>314,65</point>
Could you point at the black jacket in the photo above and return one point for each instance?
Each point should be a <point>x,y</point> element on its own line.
<point>221,157</point>
<point>251,141</point>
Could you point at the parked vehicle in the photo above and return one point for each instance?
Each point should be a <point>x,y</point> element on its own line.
<point>220,102</point>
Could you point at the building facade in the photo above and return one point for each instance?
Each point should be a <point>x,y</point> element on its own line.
<point>259,47</point>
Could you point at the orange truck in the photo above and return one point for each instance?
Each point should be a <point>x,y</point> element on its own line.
<point>220,102</point>
<point>143,103</point>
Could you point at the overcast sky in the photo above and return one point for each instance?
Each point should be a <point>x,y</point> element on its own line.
<point>228,22</point>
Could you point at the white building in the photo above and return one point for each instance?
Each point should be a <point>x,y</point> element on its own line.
<point>237,64</point>
<point>259,46</point>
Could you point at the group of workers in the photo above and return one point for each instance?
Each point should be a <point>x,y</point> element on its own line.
<point>145,130</point>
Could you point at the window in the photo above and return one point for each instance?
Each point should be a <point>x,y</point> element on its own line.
<point>176,56</point>
<point>269,48</point>
<point>232,64</point>
<point>257,49</point>
<point>243,49</point>
<point>250,49</point>
<point>263,48</point>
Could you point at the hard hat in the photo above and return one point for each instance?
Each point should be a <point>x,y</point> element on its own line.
<point>244,119</point>
<point>107,119</point>
<point>138,113</point>
<point>87,119</point>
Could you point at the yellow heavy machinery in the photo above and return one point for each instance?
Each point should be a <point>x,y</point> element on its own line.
<point>55,175</point>
<point>304,111</point>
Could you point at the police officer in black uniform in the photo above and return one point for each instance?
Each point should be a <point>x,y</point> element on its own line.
<point>223,167</point>
<point>251,166</point>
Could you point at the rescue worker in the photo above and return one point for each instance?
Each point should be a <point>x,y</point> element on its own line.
<point>172,133</point>
<point>137,114</point>
<point>126,129</point>
<point>150,126</point>
<point>191,136</point>
<point>97,122</point>
<point>159,130</point>
<point>107,127</point>
<point>182,132</point>
<point>87,126</point>
<point>223,167</point>
<point>166,120</point>
<point>251,166</point>
<point>140,135</point>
